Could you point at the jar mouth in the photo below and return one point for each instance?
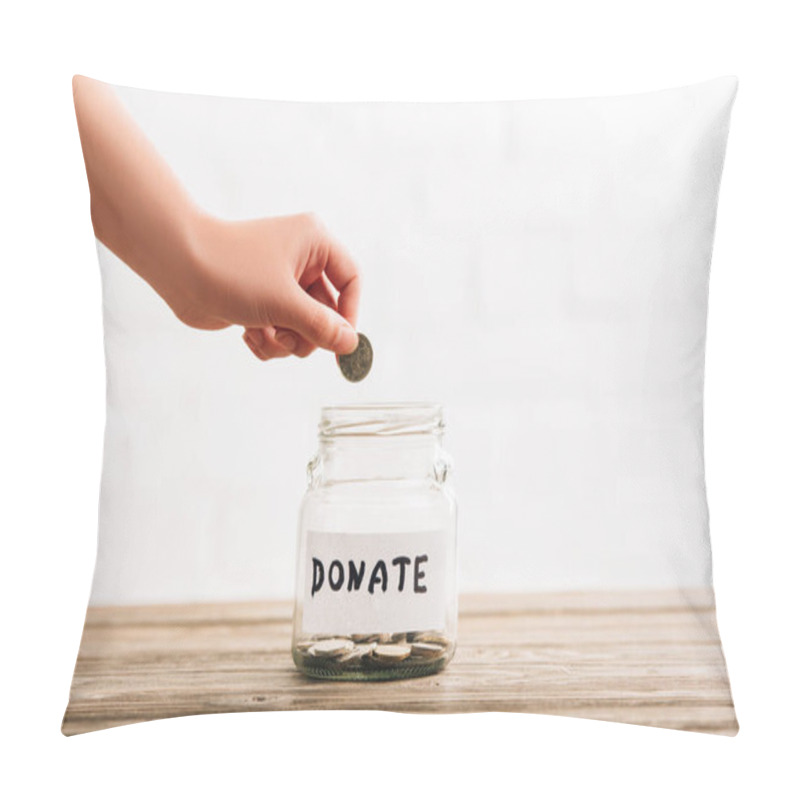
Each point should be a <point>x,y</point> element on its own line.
<point>381,419</point>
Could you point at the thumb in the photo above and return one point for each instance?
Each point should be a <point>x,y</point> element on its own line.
<point>316,322</point>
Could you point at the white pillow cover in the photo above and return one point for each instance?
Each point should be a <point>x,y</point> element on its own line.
<point>538,267</point>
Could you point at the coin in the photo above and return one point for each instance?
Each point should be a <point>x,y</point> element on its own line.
<point>426,650</point>
<point>390,653</point>
<point>355,366</point>
<point>431,637</point>
<point>356,654</point>
<point>328,648</point>
<point>365,638</point>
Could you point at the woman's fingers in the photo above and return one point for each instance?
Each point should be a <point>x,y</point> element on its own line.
<point>344,275</point>
<point>277,342</point>
<point>267,343</point>
<point>316,321</point>
<point>321,291</point>
<point>306,318</point>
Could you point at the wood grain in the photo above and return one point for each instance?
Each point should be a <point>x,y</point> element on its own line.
<point>649,658</point>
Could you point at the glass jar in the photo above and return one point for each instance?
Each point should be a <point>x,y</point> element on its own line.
<point>376,594</point>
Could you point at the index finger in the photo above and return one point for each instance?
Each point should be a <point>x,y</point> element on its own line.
<point>344,274</point>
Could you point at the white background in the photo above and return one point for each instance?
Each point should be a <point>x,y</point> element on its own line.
<point>52,401</point>
<point>561,339</point>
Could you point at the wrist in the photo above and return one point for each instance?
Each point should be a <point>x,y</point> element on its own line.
<point>200,242</point>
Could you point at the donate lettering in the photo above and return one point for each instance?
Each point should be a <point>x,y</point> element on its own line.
<point>402,573</point>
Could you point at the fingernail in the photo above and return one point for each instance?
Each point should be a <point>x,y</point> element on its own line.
<point>287,340</point>
<point>256,337</point>
<point>347,337</point>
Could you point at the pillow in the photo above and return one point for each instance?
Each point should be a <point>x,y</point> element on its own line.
<point>540,269</point>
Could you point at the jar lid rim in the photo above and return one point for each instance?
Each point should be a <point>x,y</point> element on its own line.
<point>381,419</point>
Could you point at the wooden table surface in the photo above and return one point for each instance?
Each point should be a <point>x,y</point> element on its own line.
<point>648,658</point>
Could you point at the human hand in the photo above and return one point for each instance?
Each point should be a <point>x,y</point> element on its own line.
<point>292,286</point>
<point>284,279</point>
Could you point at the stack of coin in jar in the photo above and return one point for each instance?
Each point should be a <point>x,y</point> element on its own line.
<point>409,654</point>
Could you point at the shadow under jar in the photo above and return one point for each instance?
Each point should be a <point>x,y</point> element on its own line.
<point>376,595</point>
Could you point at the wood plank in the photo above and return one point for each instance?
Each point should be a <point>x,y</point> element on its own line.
<point>649,658</point>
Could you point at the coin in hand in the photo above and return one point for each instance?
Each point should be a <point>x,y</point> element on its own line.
<point>356,365</point>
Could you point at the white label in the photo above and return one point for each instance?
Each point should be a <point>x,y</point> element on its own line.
<point>374,582</point>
